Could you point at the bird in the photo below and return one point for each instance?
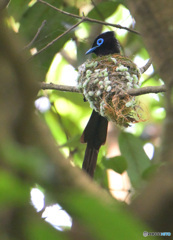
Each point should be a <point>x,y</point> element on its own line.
<point>95,132</point>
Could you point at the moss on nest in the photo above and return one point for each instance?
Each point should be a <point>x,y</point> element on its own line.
<point>104,80</point>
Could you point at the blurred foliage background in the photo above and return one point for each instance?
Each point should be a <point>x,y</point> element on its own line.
<point>130,153</point>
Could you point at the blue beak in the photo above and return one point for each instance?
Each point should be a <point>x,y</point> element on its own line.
<point>91,50</point>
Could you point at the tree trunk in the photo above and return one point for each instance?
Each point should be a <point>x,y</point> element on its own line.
<point>155,23</point>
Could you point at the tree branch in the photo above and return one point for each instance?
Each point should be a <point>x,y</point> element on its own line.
<point>4,4</point>
<point>132,92</point>
<point>147,65</point>
<point>53,86</point>
<point>86,19</point>
<point>147,90</point>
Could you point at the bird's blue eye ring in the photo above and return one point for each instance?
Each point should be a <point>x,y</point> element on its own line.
<point>100,41</point>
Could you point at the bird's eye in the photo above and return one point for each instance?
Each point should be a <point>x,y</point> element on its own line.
<point>100,41</point>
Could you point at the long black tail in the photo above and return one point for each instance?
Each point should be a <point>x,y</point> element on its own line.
<point>94,135</point>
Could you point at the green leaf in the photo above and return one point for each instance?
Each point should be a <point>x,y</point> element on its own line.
<point>131,148</point>
<point>27,160</point>
<point>150,171</point>
<point>76,98</point>
<point>103,10</point>
<point>37,229</point>
<point>73,142</point>
<point>56,130</point>
<point>56,24</point>
<point>17,8</point>
<point>118,164</point>
<point>13,190</point>
<point>100,176</point>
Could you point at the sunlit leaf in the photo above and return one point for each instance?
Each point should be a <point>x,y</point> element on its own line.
<point>72,142</point>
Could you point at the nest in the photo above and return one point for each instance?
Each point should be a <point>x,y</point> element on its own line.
<point>104,82</point>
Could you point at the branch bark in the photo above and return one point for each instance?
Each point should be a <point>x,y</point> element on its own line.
<point>132,92</point>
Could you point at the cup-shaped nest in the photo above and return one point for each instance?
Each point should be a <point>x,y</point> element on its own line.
<point>104,82</point>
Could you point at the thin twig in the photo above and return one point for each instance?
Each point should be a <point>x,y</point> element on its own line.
<point>54,40</point>
<point>36,35</point>
<point>59,10</point>
<point>52,86</point>
<point>147,65</point>
<point>132,92</point>
<point>86,19</point>
<point>110,24</point>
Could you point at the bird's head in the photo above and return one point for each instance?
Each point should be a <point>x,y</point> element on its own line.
<point>105,44</point>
